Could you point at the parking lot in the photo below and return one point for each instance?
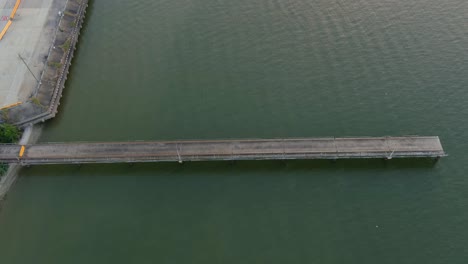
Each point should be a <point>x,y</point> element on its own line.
<point>29,36</point>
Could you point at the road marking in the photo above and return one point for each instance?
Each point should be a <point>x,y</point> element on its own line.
<point>11,105</point>
<point>12,15</point>
<point>15,8</point>
<point>23,148</point>
<point>5,29</point>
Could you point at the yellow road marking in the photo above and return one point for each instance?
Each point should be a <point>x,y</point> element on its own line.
<point>23,148</point>
<point>15,8</point>
<point>5,29</point>
<point>11,105</point>
<point>12,15</point>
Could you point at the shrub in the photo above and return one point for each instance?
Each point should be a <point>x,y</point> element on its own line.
<point>9,133</point>
<point>3,168</point>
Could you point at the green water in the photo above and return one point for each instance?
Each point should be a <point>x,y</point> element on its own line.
<point>184,69</point>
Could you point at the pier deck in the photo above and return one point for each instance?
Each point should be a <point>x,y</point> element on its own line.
<point>208,150</point>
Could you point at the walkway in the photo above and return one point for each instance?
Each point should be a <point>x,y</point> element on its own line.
<point>208,150</point>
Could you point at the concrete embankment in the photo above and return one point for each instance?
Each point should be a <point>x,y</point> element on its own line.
<point>43,105</point>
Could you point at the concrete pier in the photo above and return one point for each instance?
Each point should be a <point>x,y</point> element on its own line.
<point>212,150</point>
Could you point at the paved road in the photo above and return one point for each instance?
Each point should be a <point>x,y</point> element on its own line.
<point>255,149</point>
<point>30,35</point>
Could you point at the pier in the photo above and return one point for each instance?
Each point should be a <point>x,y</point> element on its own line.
<point>215,150</point>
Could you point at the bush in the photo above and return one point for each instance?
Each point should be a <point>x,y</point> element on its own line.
<point>3,168</point>
<point>54,64</point>
<point>9,133</point>
<point>66,46</point>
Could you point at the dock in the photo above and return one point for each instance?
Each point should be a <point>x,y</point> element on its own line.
<point>217,150</point>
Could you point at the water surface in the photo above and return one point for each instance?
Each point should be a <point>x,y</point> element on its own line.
<point>184,69</point>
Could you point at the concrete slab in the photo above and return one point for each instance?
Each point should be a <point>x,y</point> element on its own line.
<point>30,35</point>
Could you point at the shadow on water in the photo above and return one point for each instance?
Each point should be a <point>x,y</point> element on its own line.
<point>351,165</point>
